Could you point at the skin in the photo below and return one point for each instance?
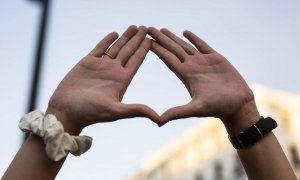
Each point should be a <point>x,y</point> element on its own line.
<point>93,90</point>
<point>218,90</point>
<point>90,93</point>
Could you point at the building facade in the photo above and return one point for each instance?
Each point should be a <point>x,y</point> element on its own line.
<point>204,152</point>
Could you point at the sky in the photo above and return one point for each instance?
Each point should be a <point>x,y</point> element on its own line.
<point>260,38</point>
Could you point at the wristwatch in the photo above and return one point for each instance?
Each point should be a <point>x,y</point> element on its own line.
<point>253,134</point>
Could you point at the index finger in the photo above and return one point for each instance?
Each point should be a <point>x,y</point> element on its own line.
<point>132,45</point>
<point>186,46</point>
<point>168,43</point>
<point>201,45</point>
<point>166,56</point>
<point>138,57</point>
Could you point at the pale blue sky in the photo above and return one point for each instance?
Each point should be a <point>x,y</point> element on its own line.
<point>260,38</point>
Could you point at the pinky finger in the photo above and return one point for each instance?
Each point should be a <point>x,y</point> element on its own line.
<point>201,45</point>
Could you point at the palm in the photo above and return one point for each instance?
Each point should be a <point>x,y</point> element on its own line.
<point>214,84</point>
<point>93,86</point>
<point>216,88</point>
<point>92,91</point>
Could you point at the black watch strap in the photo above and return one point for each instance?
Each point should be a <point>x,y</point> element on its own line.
<point>254,133</point>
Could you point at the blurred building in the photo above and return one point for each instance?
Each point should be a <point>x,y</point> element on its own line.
<point>204,152</point>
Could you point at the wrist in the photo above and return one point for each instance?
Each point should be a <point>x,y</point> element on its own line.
<point>243,119</point>
<point>69,127</point>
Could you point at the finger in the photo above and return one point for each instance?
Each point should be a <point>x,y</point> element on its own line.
<point>102,46</point>
<point>168,43</point>
<point>115,48</point>
<point>201,45</point>
<point>136,110</point>
<point>166,56</point>
<point>186,46</point>
<point>132,45</point>
<point>179,112</point>
<point>138,57</point>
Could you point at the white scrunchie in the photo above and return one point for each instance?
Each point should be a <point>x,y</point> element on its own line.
<point>58,143</point>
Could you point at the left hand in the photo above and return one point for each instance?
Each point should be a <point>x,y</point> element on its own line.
<point>93,90</point>
<point>216,87</point>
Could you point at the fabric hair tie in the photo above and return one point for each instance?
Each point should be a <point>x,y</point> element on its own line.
<point>58,143</point>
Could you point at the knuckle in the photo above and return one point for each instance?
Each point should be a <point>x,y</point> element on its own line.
<point>166,54</point>
<point>129,49</point>
<point>175,46</point>
<point>102,44</point>
<point>117,46</point>
<point>161,36</point>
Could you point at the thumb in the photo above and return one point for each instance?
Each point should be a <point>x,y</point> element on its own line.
<point>179,112</point>
<point>137,110</point>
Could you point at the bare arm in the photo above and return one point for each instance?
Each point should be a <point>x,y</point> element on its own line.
<point>217,89</point>
<point>90,93</point>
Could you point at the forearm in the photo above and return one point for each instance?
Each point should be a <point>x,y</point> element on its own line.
<point>32,162</point>
<point>265,159</point>
<point>217,89</point>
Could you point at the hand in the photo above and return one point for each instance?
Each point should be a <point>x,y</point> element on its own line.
<point>92,91</point>
<point>216,87</point>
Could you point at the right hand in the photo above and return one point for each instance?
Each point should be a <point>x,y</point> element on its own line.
<point>216,87</point>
